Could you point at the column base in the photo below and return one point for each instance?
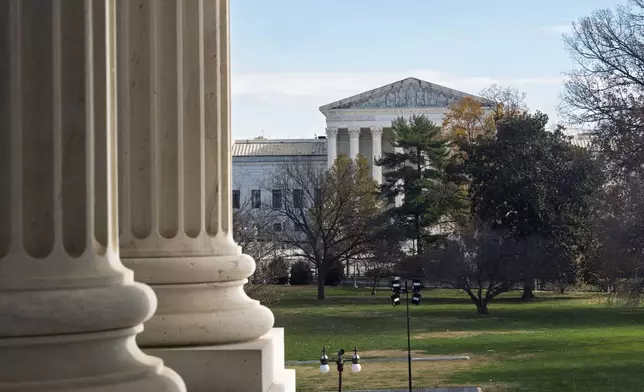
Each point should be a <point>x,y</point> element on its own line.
<point>255,366</point>
<point>108,361</point>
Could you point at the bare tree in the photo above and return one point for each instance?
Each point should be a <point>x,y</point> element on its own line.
<point>480,261</point>
<point>509,100</point>
<point>329,213</point>
<point>254,229</point>
<point>383,257</point>
<point>605,89</point>
<point>617,258</point>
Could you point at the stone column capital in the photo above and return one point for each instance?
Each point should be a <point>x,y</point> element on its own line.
<point>354,132</point>
<point>331,132</point>
<point>376,132</point>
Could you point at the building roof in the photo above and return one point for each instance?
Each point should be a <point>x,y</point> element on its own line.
<point>409,92</point>
<point>581,140</point>
<point>288,147</point>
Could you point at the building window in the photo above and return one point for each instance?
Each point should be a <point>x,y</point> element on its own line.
<point>257,198</point>
<point>298,198</point>
<point>236,198</point>
<point>277,227</point>
<point>318,197</point>
<point>277,198</point>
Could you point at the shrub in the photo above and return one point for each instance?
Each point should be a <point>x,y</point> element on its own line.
<point>277,271</point>
<point>301,273</point>
<point>334,275</point>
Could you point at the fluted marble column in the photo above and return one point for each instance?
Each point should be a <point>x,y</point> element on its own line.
<point>175,173</point>
<point>331,145</point>
<point>354,142</point>
<point>69,310</point>
<point>376,147</point>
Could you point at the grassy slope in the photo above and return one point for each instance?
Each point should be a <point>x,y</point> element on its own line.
<point>570,343</point>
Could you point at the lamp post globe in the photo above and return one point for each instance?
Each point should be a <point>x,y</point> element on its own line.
<point>339,361</point>
<point>324,362</point>
<point>355,362</point>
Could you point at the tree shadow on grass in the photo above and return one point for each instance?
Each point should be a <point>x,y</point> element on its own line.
<point>555,345</point>
<point>543,298</point>
<point>430,297</point>
<point>290,302</point>
<point>502,318</point>
<point>613,373</point>
<point>385,328</point>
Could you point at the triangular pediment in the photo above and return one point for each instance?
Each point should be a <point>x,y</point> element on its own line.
<point>406,93</point>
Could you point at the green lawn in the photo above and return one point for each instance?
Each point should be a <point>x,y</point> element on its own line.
<point>559,343</point>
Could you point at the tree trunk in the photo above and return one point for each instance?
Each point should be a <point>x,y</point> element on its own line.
<point>562,290</point>
<point>528,290</point>
<point>320,280</point>
<point>480,302</point>
<point>373,288</point>
<point>482,307</point>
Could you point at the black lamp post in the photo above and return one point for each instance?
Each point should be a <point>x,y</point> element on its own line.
<point>415,299</point>
<point>339,361</point>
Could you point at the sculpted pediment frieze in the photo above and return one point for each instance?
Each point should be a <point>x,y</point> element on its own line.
<point>406,96</point>
<point>407,93</point>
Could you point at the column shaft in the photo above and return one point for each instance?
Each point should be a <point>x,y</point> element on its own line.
<point>175,173</point>
<point>332,145</point>
<point>376,144</point>
<point>354,142</point>
<point>69,310</point>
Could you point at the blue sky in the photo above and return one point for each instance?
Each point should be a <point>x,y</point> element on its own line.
<point>291,56</point>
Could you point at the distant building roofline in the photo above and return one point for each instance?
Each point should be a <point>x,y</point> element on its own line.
<point>275,141</point>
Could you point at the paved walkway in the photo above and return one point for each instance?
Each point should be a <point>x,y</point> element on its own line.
<point>393,359</point>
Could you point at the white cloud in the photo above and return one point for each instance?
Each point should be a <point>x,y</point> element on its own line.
<point>338,85</point>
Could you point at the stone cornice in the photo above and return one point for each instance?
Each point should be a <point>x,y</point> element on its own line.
<point>344,115</point>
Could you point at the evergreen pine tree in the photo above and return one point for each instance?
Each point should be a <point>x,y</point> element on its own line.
<point>416,170</point>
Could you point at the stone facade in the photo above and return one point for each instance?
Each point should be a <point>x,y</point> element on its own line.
<point>357,124</point>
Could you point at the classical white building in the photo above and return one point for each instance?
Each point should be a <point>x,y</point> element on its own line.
<point>362,123</point>
<point>357,124</point>
<point>255,161</point>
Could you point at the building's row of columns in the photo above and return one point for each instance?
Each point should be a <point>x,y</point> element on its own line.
<point>69,310</point>
<point>64,293</point>
<point>354,147</point>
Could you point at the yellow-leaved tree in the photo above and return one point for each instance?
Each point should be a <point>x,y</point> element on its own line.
<point>466,120</point>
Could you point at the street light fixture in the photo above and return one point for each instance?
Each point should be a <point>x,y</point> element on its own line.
<point>396,288</point>
<point>416,285</point>
<point>339,361</point>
